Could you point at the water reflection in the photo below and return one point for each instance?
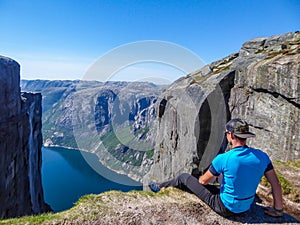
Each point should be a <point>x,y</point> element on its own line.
<point>66,177</point>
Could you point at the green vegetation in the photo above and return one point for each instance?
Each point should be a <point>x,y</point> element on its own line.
<point>289,189</point>
<point>39,219</point>
<point>142,130</point>
<point>88,208</point>
<point>150,154</point>
<point>67,139</point>
<point>50,126</point>
<point>285,184</point>
<point>122,144</point>
<point>290,163</point>
<point>198,79</point>
<point>109,140</point>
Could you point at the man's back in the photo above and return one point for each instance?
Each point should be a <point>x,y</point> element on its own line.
<point>242,169</point>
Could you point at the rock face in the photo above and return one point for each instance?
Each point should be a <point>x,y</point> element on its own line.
<point>32,145</point>
<point>267,93</point>
<point>20,146</point>
<point>259,84</point>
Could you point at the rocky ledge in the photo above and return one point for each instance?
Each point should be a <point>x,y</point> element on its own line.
<point>169,206</point>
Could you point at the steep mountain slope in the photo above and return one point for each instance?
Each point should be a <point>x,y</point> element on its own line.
<point>115,120</point>
<point>21,190</point>
<point>259,84</point>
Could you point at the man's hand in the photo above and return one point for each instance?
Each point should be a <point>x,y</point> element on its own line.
<point>271,211</point>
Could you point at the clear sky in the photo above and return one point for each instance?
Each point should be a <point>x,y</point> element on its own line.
<point>61,39</point>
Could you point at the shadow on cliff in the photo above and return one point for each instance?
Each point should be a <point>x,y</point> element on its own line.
<point>256,215</point>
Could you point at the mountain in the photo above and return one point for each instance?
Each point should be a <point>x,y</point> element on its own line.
<point>115,120</point>
<point>21,190</point>
<point>260,84</point>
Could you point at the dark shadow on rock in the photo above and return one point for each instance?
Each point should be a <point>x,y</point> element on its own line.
<point>256,215</point>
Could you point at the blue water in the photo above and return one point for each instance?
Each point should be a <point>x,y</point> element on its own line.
<point>66,176</point>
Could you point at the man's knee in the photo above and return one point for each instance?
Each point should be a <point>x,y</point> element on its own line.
<point>184,177</point>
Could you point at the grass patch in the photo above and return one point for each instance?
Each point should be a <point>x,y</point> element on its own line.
<point>290,163</point>
<point>38,219</point>
<point>286,186</point>
<point>150,153</point>
<point>288,189</point>
<point>122,145</point>
<point>109,140</point>
<point>68,138</point>
<point>91,208</point>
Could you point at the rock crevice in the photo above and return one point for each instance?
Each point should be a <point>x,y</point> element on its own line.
<point>276,94</point>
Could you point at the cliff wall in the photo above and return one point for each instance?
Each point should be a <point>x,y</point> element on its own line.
<point>259,84</point>
<point>21,190</point>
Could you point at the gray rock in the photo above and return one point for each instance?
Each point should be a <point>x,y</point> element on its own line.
<point>20,146</point>
<point>252,46</point>
<point>260,85</point>
<point>32,145</point>
<point>266,93</point>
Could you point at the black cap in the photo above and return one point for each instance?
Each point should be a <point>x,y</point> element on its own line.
<point>239,128</point>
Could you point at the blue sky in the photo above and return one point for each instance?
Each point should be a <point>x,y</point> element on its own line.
<point>61,39</point>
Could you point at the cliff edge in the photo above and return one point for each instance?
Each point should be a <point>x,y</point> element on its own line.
<point>21,190</point>
<point>169,206</point>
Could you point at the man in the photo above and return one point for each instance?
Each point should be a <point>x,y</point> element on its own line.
<point>242,169</point>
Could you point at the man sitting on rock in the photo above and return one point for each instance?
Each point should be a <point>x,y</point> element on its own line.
<point>242,169</point>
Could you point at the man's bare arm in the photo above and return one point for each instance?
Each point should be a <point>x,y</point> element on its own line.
<point>206,178</point>
<point>276,189</point>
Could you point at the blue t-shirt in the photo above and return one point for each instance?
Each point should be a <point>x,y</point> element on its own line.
<point>242,169</point>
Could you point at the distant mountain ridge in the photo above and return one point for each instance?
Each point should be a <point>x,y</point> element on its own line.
<point>121,113</point>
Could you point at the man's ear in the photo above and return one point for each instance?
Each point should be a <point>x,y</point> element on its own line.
<point>232,137</point>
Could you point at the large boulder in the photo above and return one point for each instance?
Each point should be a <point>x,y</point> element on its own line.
<point>266,93</point>
<point>259,84</point>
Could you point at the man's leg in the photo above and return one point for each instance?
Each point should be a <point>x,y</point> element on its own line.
<point>189,183</point>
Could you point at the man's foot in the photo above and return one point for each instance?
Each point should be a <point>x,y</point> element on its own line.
<point>271,211</point>
<point>154,186</point>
